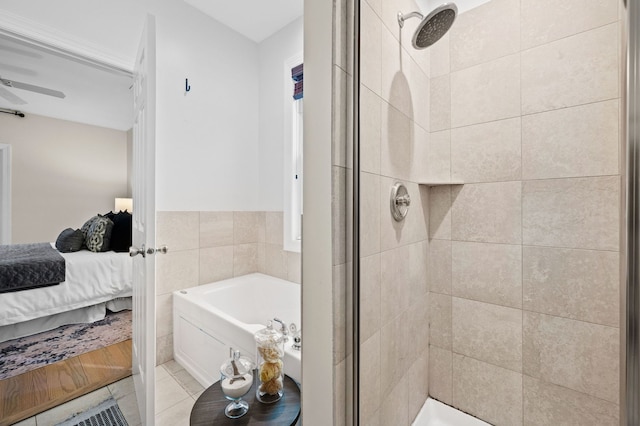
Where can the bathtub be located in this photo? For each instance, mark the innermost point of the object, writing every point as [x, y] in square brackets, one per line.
[211, 318]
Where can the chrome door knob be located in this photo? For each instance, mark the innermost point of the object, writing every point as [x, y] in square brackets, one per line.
[161, 249]
[134, 251]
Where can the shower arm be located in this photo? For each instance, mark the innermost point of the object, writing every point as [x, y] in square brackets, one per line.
[402, 17]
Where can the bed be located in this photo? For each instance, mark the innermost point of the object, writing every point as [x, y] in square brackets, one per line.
[94, 282]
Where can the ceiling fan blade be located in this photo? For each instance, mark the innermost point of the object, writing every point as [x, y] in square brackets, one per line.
[37, 89]
[4, 93]
[33, 88]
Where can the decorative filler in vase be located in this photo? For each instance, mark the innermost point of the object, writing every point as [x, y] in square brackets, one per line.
[236, 380]
[270, 345]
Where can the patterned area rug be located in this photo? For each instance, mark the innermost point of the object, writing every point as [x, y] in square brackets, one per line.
[28, 353]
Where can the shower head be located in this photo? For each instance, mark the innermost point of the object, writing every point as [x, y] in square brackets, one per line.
[433, 26]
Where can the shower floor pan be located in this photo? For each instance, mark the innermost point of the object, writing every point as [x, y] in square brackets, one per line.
[435, 413]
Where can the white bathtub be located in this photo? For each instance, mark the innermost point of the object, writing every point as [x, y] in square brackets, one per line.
[211, 318]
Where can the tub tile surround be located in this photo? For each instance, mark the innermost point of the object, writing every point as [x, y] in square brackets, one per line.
[524, 257]
[209, 246]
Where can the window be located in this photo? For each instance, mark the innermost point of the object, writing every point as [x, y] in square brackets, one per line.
[293, 173]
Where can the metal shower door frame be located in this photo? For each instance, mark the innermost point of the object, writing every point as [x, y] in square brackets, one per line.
[630, 235]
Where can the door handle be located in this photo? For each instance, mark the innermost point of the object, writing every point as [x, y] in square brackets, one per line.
[134, 251]
[161, 249]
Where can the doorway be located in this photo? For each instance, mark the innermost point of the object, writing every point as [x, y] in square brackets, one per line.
[111, 362]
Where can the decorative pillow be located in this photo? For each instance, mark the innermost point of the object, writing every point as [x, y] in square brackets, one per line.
[87, 225]
[121, 233]
[70, 240]
[99, 234]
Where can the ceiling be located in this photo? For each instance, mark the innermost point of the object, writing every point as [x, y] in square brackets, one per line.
[100, 96]
[94, 95]
[255, 19]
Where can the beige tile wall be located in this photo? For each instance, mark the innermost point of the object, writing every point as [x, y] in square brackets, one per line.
[395, 146]
[205, 247]
[524, 257]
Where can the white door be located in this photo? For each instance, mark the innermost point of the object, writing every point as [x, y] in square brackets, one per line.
[143, 179]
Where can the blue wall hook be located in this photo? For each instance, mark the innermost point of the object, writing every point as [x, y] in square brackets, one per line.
[186, 85]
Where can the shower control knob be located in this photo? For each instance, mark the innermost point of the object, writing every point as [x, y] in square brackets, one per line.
[400, 201]
[403, 200]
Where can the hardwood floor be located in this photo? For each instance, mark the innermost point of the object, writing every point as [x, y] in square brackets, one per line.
[38, 390]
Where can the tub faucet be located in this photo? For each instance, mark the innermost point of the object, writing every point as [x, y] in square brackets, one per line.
[283, 329]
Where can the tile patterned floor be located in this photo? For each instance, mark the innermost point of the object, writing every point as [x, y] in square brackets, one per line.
[176, 392]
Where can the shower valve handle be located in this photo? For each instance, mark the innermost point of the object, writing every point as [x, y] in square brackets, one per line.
[403, 200]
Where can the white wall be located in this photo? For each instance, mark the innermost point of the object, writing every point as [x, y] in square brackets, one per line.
[274, 52]
[62, 174]
[207, 140]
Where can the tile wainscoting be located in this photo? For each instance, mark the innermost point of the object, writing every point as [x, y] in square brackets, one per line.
[205, 247]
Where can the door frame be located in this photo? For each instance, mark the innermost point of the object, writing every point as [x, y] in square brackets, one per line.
[27, 30]
[5, 194]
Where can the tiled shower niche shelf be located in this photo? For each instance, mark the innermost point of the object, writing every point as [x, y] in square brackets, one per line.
[435, 182]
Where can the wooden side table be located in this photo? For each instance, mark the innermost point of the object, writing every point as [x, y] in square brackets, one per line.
[209, 408]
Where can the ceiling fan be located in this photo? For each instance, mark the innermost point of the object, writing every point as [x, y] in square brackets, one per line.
[14, 99]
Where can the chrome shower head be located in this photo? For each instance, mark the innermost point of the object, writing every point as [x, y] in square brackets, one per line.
[433, 26]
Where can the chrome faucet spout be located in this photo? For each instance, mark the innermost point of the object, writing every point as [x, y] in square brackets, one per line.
[283, 328]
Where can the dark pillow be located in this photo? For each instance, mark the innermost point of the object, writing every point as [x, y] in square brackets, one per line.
[70, 240]
[87, 225]
[121, 233]
[99, 234]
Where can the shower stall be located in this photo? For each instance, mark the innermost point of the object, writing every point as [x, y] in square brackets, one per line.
[503, 291]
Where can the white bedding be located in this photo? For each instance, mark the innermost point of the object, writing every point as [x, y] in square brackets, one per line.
[91, 278]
